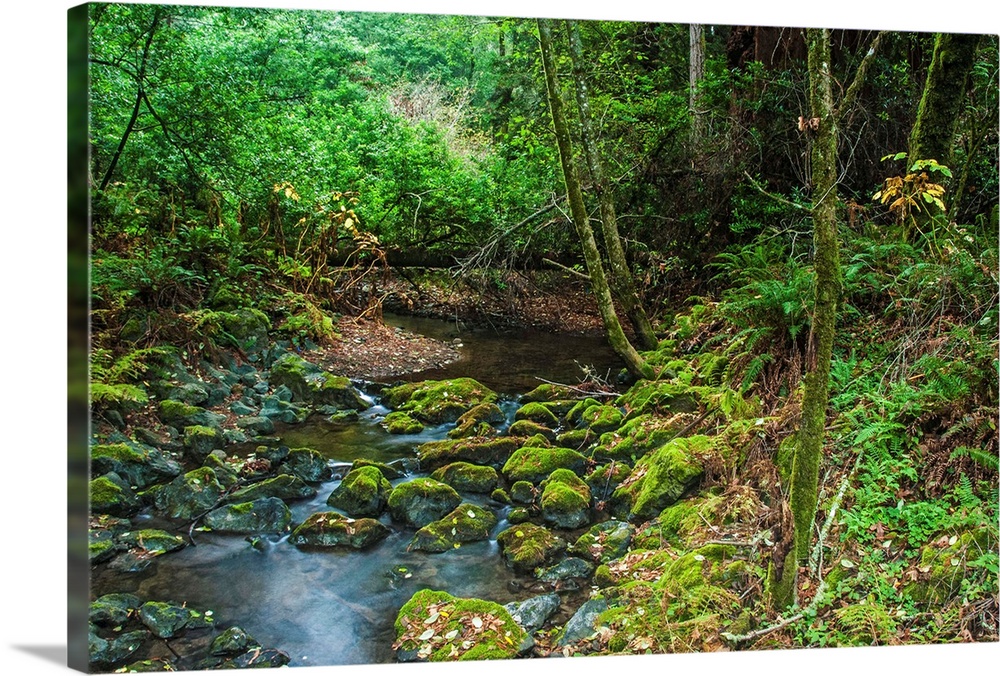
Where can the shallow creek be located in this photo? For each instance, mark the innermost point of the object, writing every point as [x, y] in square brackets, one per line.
[338, 607]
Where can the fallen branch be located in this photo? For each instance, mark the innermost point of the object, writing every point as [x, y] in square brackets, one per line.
[764, 631]
[815, 555]
[590, 393]
[564, 268]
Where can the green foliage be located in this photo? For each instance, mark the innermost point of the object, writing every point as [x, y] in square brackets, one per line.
[114, 380]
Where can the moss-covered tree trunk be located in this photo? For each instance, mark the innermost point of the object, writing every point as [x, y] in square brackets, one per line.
[578, 212]
[620, 278]
[804, 489]
[943, 99]
[696, 73]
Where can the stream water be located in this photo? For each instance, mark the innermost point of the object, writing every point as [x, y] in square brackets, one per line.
[338, 607]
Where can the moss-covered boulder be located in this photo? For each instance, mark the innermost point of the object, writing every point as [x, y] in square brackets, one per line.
[264, 515]
[363, 492]
[523, 492]
[565, 500]
[466, 523]
[420, 501]
[652, 396]
[139, 465]
[104, 654]
[152, 541]
[604, 480]
[312, 385]
[390, 472]
[943, 565]
[467, 478]
[435, 626]
[188, 495]
[113, 610]
[601, 418]
[604, 542]
[400, 422]
[232, 641]
[578, 440]
[548, 392]
[439, 401]
[226, 472]
[330, 529]
[181, 415]
[284, 486]
[110, 494]
[527, 546]
[637, 437]
[662, 478]
[165, 620]
[529, 428]
[477, 450]
[307, 464]
[199, 441]
[535, 464]
[477, 421]
[537, 412]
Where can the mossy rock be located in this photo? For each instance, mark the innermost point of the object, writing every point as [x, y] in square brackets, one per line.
[166, 621]
[547, 392]
[139, 465]
[390, 472]
[523, 492]
[501, 496]
[601, 418]
[226, 473]
[312, 385]
[565, 500]
[576, 439]
[575, 414]
[535, 464]
[467, 478]
[565, 570]
[519, 515]
[421, 501]
[439, 401]
[199, 441]
[232, 641]
[537, 412]
[435, 626]
[662, 478]
[264, 515]
[181, 415]
[604, 542]
[363, 492]
[527, 546]
[476, 450]
[256, 424]
[636, 438]
[477, 420]
[943, 565]
[188, 495]
[110, 494]
[536, 440]
[284, 486]
[530, 428]
[113, 610]
[105, 654]
[152, 541]
[604, 480]
[583, 624]
[399, 422]
[690, 521]
[285, 412]
[330, 529]
[466, 523]
[650, 396]
[307, 464]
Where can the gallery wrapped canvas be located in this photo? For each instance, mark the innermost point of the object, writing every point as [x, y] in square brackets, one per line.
[405, 337]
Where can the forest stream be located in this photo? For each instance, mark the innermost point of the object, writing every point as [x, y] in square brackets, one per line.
[337, 606]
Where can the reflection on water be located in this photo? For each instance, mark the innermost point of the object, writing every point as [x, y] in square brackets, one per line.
[327, 607]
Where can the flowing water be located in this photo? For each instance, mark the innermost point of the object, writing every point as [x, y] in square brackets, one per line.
[337, 607]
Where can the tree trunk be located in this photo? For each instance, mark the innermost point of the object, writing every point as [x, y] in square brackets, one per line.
[578, 211]
[620, 278]
[943, 98]
[804, 490]
[696, 73]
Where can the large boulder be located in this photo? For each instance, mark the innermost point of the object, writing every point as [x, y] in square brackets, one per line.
[532, 613]
[311, 384]
[307, 464]
[466, 523]
[535, 463]
[110, 494]
[330, 529]
[477, 450]
[467, 478]
[477, 421]
[363, 492]
[187, 496]
[139, 465]
[565, 500]
[439, 401]
[583, 624]
[264, 515]
[435, 626]
[420, 501]
[662, 478]
[526, 546]
[166, 621]
[284, 486]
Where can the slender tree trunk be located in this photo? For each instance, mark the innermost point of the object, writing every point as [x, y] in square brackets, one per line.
[578, 211]
[622, 283]
[941, 105]
[139, 96]
[804, 490]
[696, 72]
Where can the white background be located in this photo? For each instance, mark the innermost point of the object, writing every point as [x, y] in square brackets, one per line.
[33, 353]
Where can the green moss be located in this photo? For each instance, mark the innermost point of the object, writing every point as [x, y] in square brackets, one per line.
[565, 500]
[464, 476]
[501, 496]
[605, 479]
[538, 413]
[575, 414]
[330, 529]
[439, 401]
[603, 577]
[422, 500]
[601, 419]
[399, 422]
[120, 452]
[659, 397]
[449, 625]
[466, 523]
[529, 428]
[519, 515]
[637, 437]
[943, 565]
[476, 450]
[104, 492]
[477, 421]
[172, 411]
[535, 464]
[663, 477]
[363, 492]
[547, 392]
[527, 546]
[576, 439]
[523, 492]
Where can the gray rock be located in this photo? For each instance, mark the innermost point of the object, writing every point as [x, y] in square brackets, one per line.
[604, 542]
[188, 495]
[307, 464]
[166, 621]
[262, 387]
[284, 486]
[189, 393]
[532, 613]
[583, 624]
[567, 568]
[105, 654]
[264, 515]
[256, 425]
[112, 610]
[421, 501]
[239, 408]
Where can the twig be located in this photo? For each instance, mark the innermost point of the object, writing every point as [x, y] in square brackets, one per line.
[814, 557]
[597, 393]
[566, 269]
[764, 631]
[776, 198]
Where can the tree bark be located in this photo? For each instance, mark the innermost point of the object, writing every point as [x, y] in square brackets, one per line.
[616, 337]
[941, 105]
[804, 490]
[696, 72]
[622, 283]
